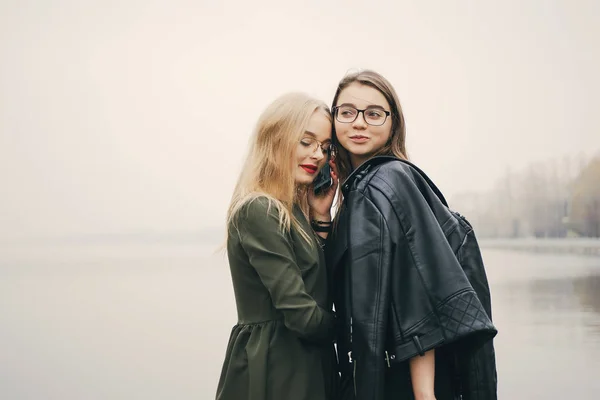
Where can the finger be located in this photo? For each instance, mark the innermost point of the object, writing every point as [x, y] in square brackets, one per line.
[333, 166]
[335, 183]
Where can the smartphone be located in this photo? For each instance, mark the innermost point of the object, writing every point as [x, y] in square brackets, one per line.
[323, 180]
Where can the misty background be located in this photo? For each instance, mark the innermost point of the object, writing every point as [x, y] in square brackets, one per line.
[134, 116]
[124, 124]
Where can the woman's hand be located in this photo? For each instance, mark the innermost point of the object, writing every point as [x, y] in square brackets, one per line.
[320, 206]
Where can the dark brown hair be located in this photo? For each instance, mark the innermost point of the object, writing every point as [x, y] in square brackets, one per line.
[396, 144]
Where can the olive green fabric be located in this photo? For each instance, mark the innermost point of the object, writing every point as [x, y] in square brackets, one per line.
[281, 347]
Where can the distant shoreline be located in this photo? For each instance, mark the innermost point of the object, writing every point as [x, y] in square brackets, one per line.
[583, 246]
[203, 239]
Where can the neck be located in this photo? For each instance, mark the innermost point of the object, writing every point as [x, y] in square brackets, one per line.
[356, 160]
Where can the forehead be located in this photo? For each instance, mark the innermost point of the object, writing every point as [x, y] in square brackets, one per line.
[319, 125]
[362, 96]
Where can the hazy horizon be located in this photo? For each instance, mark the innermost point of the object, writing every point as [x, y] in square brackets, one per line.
[131, 116]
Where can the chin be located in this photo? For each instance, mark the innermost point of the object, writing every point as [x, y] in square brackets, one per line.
[304, 181]
[357, 148]
[359, 152]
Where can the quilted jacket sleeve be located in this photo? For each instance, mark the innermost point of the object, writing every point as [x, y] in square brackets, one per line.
[433, 299]
[418, 293]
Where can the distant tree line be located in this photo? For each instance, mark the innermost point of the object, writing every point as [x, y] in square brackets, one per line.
[556, 198]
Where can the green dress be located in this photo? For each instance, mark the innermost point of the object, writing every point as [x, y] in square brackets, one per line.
[281, 348]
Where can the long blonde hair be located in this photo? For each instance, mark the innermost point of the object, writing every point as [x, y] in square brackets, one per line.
[269, 167]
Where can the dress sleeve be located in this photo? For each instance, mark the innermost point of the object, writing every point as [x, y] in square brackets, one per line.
[271, 254]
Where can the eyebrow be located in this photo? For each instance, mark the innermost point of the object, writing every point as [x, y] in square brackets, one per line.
[369, 107]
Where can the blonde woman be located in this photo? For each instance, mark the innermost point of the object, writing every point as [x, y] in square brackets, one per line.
[281, 346]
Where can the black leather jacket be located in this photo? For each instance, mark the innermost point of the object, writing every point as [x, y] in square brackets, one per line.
[398, 286]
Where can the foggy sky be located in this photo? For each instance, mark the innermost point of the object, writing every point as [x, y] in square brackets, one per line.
[121, 116]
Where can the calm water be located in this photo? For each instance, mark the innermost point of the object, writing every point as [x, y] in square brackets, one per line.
[151, 322]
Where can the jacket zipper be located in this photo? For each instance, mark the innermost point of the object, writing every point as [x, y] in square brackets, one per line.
[457, 378]
[354, 378]
[353, 361]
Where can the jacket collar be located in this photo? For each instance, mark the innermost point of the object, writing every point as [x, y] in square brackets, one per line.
[352, 181]
[362, 170]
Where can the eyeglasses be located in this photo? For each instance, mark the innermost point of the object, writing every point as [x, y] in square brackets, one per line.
[327, 149]
[373, 115]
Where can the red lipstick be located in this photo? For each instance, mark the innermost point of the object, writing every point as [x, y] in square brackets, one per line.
[311, 169]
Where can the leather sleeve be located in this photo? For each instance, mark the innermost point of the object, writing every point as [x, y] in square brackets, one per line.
[436, 293]
[409, 291]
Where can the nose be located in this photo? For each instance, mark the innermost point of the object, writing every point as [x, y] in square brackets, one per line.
[318, 154]
[360, 122]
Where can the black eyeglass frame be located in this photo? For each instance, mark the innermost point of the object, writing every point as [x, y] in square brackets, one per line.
[336, 109]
